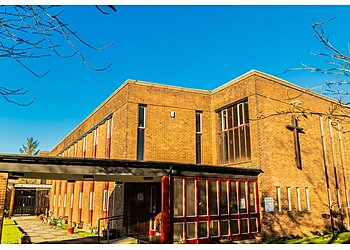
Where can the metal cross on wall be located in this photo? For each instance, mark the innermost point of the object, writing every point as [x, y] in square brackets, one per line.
[296, 130]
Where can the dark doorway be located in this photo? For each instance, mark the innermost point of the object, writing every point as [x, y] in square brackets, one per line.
[142, 200]
[31, 201]
[24, 202]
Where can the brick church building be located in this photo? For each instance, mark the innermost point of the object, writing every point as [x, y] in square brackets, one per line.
[288, 148]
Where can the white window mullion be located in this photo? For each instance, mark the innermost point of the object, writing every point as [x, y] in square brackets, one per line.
[298, 199]
[54, 200]
[91, 202]
[71, 200]
[329, 197]
[81, 200]
[289, 199]
[279, 199]
[307, 199]
[64, 200]
[59, 200]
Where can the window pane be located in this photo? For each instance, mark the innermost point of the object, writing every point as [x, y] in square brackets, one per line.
[253, 227]
[202, 229]
[219, 122]
[140, 143]
[233, 198]
[198, 122]
[235, 116]
[244, 226]
[246, 112]
[251, 187]
[236, 139]
[198, 148]
[230, 136]
[229, 118]
[202, 198]
[234, 227]
[190, 197]
[240, 112]
[141, 117]
[224, 227]
[178, 231]
[224, 120]
[243, 200]
[223, 197]
[213, 198]
[214, 229]
[178, 197]
[191, 230]
[225, 149]
[242, 142]
[247, 131]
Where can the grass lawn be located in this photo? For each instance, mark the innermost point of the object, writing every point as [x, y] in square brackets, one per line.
[10, 232]
[341, 238]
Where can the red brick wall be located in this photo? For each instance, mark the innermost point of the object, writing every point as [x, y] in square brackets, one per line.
[3, 186]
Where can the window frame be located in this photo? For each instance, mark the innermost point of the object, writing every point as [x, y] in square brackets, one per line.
[229, 153]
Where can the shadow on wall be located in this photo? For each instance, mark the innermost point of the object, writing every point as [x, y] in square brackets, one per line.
[291, 224]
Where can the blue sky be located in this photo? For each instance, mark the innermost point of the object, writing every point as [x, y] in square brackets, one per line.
[190, 46]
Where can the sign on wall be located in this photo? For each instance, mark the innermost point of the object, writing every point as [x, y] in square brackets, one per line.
[269, 205]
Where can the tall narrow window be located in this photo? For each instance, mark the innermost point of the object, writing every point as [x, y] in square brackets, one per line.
[198, 137]
[234, 133]
[338, 197]
[84, 146]
[252, 197]
[233, 198]
[190, 197]
[289, 199]
[68, 154]
[178, 197]
[91, 202]
[80, 200]
[71, 200]
[109, 137]
[278, 189]
[64, 200]
[243, 208]
[223, 197]
[213, 199]
[75, 149]
[307, 199]
[54, 200]
[105, 200]
[298, 199]
[202, 197]
[329, 197]
[59, 200]
[95, 142]
[141, 132]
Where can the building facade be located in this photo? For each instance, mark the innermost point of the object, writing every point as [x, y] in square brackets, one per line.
[295, 137]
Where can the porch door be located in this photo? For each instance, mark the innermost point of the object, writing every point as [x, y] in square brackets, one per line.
[24, 202]
[138, 200]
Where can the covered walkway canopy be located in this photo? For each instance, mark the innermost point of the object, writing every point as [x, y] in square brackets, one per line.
[65, 168]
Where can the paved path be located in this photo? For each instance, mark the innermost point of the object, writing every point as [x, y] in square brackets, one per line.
[40, 233]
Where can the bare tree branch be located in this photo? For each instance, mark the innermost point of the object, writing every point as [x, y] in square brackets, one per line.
[34, 32]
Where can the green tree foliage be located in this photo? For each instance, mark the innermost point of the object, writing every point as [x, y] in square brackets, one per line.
[30, 147]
